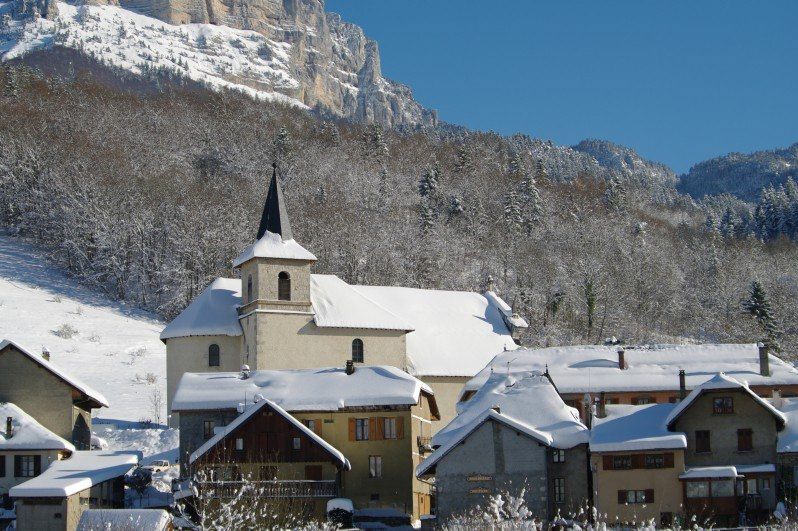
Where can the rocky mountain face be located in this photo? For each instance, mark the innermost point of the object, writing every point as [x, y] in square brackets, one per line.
[741, 175]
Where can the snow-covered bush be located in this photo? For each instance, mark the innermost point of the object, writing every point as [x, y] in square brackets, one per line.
[65, 331]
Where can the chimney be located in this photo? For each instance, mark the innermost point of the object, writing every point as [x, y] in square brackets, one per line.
[350, 367]
[682, 385]
[245, 372]
[776, 400]
[764, 359]
[8, 427]
[497, 409]
[489, 284]
[46, 353]
[621, 359]
[601, 406]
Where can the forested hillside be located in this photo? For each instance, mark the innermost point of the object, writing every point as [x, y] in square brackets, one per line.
[149, 195]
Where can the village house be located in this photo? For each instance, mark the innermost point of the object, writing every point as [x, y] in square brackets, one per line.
[58, 401]
[55, 499]
[787, 459]
[636, 462]
[514, 436]
[280, 316]
[378, 418]
[643, 374]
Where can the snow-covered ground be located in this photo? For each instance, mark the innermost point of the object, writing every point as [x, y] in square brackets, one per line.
[108, 345]
[216, 56]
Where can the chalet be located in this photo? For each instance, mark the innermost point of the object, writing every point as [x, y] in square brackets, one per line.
[55, 499]
[279, 315]
[515, 435]
[58, 401]
[378, 417]
[643, 374]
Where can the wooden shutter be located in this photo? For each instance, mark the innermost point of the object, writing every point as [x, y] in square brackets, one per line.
[649, 495]
[17, 466]
[375, 428]
[607, 462]
[2, 466]
[621, 497]
[669, 460]
[638, 461]
[400, 428]
[351, 429]
[317, 427]
[37, 465]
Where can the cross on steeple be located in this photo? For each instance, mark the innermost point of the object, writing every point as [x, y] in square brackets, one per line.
[275, 215]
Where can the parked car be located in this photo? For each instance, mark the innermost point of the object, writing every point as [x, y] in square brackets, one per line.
[158, 465]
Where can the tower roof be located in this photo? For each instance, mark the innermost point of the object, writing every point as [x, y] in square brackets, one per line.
[275, 216]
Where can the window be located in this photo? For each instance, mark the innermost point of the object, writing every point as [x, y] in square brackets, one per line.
[361, 429]
[751, 486]
[697, 489]
[558, 456]
[284, 286]
[723, 489]
[635, 496]
[249, 288]
[765, 483]
[723, 405]
[27, 466]
[213, 355]
[357, 350]
[655, 461]
[702, 444]
[745, 440]
[640, 400]
[296, 443]
[311, 424]
[207, 429]
[239, 444]
[375, 466]
[621, 462]
[559, 490]
[389, 428]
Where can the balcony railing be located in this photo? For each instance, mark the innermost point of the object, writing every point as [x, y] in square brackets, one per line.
[270, 489]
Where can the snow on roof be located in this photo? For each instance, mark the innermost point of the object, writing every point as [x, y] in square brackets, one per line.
[319, 389]
[528, 403]
[588, 368]
[336, 304]
[27, 433]
[272, 245]
[247, 414]
[628, 428]
[214, 312]
[81, 471]
[755, 469]
[455, 332]
[709, 472]
[722, 381]
[140, 519]
[788, 437]
[96, 396]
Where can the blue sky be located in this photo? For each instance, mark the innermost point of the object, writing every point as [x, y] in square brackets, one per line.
[680, 81]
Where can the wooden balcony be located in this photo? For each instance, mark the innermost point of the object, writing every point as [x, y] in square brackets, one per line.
[270, 489]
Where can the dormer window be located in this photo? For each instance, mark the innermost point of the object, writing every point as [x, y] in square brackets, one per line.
[213, 355]
[249, 288]
[284, 286]
[357, 351]
[723, 405]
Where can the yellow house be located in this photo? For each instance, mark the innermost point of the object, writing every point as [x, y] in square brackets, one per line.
[280, 316]
[378, 417]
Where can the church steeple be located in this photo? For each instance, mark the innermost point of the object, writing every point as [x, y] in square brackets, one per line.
[275, 216]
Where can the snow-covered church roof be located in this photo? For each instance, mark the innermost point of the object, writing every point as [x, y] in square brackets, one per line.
[528, 403]
[95, 396]
[593, 368]
[213, 313]
[319, 389]
[271, 245]
[27, 433]
[628, 428]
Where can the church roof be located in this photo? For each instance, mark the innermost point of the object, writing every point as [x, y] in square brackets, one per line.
[213, 313]
[275, 216]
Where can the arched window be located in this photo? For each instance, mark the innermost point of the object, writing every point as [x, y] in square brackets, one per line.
[249, 288]
[284, 286]
[213, 355]
[357, 350]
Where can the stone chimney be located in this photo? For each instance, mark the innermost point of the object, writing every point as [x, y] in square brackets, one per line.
[245, 372]
[490, 285]
[350, 367]
[621, 358]
[776, 400]
[497, 409]
[46, 353]
[601, 405]
[764, 359]
[9, 430]
[682, 385]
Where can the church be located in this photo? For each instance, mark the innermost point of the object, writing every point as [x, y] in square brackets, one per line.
[279, 315]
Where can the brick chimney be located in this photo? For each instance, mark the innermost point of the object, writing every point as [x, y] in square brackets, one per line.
[9, 430]
[350, 367]
[764, 359]
[46, 353]
[682, 385]
[621, 358]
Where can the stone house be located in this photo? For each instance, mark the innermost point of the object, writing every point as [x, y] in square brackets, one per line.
[642, 374]
[58, 401]
[279, 315]
[55, 499]
[515, 436]
[377, 416]
[636, 462]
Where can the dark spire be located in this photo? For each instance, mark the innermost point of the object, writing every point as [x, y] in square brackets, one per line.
[275, 215]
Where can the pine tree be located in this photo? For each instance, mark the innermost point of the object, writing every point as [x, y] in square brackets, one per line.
[516, 166]
[758, 306]
[615, 196]
[455, 207]
[282, 150]
[531, 204]
[465, 160]
[512, 212]
[428, 184]
[729, 224]
[541, 175]
[375, 145]
[427, 218]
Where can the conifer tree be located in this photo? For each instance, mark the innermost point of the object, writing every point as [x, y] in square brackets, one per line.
[615, 196]
[531, 204]
[465, 160]
[758, 306]
[541, 175]
[512, 212]
[428, 184]
[375, 144]
[282, 149]
[427, 218]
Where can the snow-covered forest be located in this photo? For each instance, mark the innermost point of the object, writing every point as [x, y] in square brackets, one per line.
[149, 196]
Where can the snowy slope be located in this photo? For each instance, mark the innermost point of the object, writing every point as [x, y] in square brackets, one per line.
[216, 56]
[113, 348]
